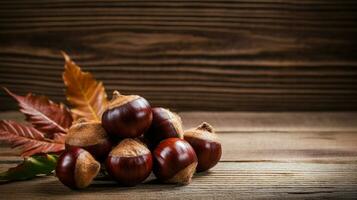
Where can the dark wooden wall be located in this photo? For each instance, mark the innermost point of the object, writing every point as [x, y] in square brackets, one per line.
[188, 55]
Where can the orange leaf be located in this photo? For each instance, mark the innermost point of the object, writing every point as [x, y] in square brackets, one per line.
[30, 140]
[44, 114]
[84, 93]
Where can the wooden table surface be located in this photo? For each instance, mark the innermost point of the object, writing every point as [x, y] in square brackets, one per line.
[265, 155]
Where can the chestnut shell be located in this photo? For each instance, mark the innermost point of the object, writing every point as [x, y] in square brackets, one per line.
[208, 152]
[129, 120]
[66, 165]
[99, 151]
[171, 156]
[90, 136]
[162, 127]
[129, 171]
[76, 168]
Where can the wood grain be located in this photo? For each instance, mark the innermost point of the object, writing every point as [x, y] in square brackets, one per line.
[286, 146]
[228, 180]
[188, 55]
[265, 156]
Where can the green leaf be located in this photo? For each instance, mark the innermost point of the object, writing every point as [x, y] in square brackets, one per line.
[31, 167]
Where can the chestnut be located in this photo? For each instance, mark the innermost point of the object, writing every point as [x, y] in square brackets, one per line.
[175, 161]
[130, 162]
[91, 136]
[76, 168]
[165, 124]
[127, 116]
[205, 142]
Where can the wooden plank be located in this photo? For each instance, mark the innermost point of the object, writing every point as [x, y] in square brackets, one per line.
[228, 180]
[188, 55]
[284, 137]
[317, 147]
[321, 147]
[247, 122]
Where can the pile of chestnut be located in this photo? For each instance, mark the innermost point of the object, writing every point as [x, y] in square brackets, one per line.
[133, 140]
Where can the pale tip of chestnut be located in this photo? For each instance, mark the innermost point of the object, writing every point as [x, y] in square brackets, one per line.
[204, 131]
[86, 170]
[84, 132]
[206, 145]
[91, 136]
[76, 168]
[130, 148]
[184, 177]
[206, 127]
[116, 94]
[177, 123]
[130, 162]
[119, 99]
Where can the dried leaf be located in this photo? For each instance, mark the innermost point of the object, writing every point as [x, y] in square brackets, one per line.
[84, 93]
[30, 140]
[59, 138]
[31, 167]
[44, 114]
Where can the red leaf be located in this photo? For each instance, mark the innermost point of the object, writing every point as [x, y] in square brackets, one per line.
[30, 140]
[44, 114]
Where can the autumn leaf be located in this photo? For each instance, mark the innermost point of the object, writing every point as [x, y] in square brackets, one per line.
[44, 114]
[86, 95]
[30, 140]
[33, 166]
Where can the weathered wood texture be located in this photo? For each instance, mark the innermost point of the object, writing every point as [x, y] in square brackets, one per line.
[188, 55]
[228, 180]
[265, 156]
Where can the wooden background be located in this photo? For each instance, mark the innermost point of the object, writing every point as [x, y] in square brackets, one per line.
[188, 55]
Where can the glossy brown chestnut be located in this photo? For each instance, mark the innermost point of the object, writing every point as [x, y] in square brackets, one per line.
[130, 162]
[127, 116]
[175, 161]
[165, 124]
[207, 147]
[76, 168]
[91, 136]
